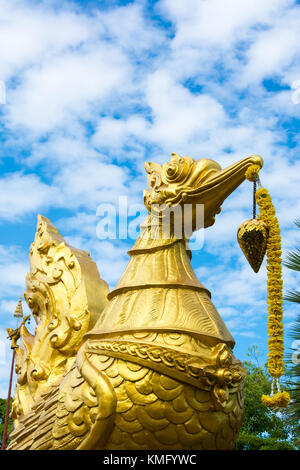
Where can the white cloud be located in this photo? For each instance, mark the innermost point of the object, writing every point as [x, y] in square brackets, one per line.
[14, 275]
[113, 134]
[13, 269]
[131, 30]
[63, 148]
[179, 116]
[67, 87]
[248, 334]
[82, 222]
[92, 184]
[22, 194]
[274, 49]
[92, 93]
[219, 22]
[35, 33]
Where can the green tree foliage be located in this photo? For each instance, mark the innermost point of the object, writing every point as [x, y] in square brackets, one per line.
[3, 403]
[262, 428]
[293, 374]
[293, 358]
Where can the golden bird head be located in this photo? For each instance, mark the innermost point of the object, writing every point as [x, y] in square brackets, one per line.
[189, 183]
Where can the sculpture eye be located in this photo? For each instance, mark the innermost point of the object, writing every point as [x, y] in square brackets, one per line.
[175, 171]
[172, 170]
[154, 180]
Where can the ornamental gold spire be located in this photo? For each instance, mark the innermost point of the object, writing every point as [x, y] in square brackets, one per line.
[19, 310]
[14, 335]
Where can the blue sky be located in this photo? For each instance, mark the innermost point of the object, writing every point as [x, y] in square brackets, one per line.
[95, 88]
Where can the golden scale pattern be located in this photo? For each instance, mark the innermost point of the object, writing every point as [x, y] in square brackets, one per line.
[152, 410]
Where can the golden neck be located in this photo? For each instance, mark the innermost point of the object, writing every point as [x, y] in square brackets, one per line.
[157, 260]
[159, 292]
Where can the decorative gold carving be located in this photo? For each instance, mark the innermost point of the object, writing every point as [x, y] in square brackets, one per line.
[205, 372]
[66, 296]
[156, 370]
[76, 414]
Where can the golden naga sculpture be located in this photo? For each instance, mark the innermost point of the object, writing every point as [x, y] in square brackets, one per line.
[148, 365]
[66, 296]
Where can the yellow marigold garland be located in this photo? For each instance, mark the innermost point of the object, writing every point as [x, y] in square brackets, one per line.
[275, 363]
[252, 172]
[279, 400]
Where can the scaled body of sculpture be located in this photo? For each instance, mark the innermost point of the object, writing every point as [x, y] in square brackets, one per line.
[148, 366]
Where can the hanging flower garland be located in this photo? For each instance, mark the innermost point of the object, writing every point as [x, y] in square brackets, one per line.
[275, 364]
[252, 172]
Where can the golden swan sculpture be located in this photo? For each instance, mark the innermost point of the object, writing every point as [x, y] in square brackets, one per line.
[148, 365]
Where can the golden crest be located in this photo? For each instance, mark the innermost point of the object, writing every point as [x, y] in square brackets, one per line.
[252, 236]
[66, 296]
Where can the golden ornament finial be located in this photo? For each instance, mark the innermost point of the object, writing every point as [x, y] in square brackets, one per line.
[19, 310]
[252, 237]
